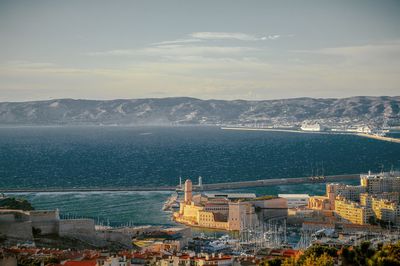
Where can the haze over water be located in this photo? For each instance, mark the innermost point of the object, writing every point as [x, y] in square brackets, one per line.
[154, 156]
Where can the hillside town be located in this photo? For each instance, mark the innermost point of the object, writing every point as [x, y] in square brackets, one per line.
[247, 229]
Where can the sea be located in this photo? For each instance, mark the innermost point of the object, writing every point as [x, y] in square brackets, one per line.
[107, 156]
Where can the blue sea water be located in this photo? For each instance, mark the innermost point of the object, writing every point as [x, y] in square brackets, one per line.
[152, 156]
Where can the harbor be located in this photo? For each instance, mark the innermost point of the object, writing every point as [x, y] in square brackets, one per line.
[201, 187]
[293, 130]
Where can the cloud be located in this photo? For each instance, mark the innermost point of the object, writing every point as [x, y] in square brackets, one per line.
[196, 50]
[179, 50]
[225, 36]
[236, 36]
[178, 41]
[117, 52]
[200, 77]
[383, 53]
[29, 64]
[274, 37]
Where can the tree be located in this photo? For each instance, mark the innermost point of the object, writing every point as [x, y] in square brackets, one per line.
[388, 254]
[274, 262]
[322, 260]
[363, 252]
[316, 252]
[348, 256]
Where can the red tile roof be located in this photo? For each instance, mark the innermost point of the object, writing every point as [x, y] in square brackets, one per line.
[81, 263]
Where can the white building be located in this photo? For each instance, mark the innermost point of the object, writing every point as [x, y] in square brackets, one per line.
[312, 127]
[295, 200]
[364, 129]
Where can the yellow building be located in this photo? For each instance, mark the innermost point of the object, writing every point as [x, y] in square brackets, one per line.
[384, 206]
[385, 210]
[350, 212]
[195, 211]
[379, 183]
[219, 212]
[319, 203]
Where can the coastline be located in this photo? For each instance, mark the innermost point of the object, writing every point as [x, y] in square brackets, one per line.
[382, 138]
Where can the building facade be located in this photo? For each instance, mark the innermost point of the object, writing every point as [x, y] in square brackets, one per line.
[350, 212]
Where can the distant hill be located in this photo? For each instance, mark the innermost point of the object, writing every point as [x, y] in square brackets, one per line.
[183, 110]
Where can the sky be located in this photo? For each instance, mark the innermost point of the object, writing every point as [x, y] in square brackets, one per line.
[233, 49]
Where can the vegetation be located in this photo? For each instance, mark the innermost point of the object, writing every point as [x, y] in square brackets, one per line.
[266, 197]
[16, 204]
[364, 254]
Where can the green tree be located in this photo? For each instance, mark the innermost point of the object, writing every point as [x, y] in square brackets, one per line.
[322, 260]
[274, 262]
[388, 254]
[363, 253]
[289, 262]
[317, 251]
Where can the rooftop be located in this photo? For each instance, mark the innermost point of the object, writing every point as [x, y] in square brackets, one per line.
[293, 195]
[231, 195]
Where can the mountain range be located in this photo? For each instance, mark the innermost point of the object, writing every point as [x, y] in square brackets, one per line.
[184, 110]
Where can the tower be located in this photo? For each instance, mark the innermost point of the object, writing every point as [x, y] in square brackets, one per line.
[200, 181]
[188, 191]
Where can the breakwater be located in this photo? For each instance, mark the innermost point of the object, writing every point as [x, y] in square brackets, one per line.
[276, 181]
[365, 135]
[204, 187]
[383, 138]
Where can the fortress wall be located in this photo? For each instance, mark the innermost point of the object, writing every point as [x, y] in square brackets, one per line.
[45, 221]
[18, 230]
[7, 217]
[77, 227]
[48, 215]
[13, 216]
[46, 227]
[114, 236]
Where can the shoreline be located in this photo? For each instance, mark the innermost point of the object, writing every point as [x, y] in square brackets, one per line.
[365, 135]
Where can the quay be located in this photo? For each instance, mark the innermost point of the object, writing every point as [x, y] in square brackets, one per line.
[395, 140]
[365, 135]
[203, 187]
[276, 181]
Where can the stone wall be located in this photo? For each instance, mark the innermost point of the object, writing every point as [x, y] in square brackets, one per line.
[45, 221]
[76, 227]
[17, 230]
[113, 236]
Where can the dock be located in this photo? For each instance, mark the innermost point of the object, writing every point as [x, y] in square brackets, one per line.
[365, 135]
[204, 187]
[383, 138]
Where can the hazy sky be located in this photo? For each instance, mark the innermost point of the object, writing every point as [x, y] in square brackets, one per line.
[206, 49]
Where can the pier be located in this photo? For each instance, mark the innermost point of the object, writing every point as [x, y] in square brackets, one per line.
[365, 135]
[383, 138]
[203, 187]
